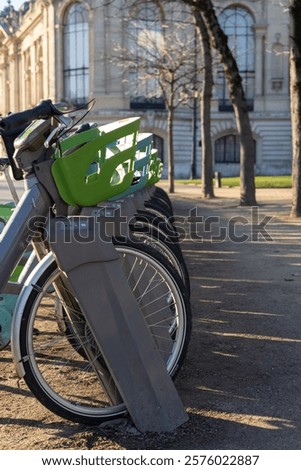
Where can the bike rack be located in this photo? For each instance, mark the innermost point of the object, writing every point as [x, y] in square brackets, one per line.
[120, 330]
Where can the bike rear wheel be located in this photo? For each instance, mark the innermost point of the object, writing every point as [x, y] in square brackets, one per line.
[63, 365]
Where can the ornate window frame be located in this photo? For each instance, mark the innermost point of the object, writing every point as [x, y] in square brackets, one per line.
[76, 56]
[238, 24]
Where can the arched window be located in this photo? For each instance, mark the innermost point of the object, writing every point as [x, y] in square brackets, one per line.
[227, 149]
[237, 23]
[145, 36]
[161, 35]
[76, 54]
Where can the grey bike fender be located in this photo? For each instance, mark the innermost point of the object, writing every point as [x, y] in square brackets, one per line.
[17, 317]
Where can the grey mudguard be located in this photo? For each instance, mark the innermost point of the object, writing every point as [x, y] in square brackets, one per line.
[95, 276]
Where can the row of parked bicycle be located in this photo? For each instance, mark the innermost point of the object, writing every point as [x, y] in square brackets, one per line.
[75, 173]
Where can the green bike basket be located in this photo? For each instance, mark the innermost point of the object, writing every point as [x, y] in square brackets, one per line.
[96, 165]
[143, 152]
[155, 168]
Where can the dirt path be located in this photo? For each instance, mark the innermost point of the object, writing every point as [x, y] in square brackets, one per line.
[241, 383]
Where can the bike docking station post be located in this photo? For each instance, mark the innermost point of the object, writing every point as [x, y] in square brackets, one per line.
[95, 277]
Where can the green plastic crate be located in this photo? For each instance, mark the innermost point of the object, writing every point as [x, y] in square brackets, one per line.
[96, 165]
[141, 165]
[155, 168]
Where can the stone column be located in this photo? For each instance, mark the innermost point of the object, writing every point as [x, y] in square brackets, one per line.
[13, 77]
[260, 66]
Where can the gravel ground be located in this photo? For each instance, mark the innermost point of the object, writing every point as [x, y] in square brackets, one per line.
[241, 381]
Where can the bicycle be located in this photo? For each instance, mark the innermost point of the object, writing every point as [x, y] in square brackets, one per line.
[51, 338]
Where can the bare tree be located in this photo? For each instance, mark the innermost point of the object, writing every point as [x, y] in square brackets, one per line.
[295, 75]
[160, 58]
[237, 97]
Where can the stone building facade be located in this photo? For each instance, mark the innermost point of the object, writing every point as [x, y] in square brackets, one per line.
[62, 49]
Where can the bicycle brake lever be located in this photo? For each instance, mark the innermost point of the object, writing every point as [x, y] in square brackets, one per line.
[53, 134]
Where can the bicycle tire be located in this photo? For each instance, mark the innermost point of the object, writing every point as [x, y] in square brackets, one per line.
[63, 380]
[157, 207]
[147, 219]
[156, 212]
[162, 195]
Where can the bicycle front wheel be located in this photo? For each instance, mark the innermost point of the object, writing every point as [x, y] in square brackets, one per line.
[62, 363]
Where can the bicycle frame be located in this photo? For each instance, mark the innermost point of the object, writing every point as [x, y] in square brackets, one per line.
[17, 233]
[14, 240]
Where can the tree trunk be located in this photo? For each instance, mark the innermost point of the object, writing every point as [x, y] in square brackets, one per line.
[171, 172]
[295, 76]
[205, 109]
[237, 97]
[247, 157]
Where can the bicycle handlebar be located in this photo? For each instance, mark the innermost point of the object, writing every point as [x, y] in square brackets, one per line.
[13, 121]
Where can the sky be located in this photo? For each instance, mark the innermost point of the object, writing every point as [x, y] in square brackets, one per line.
[15, 3]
